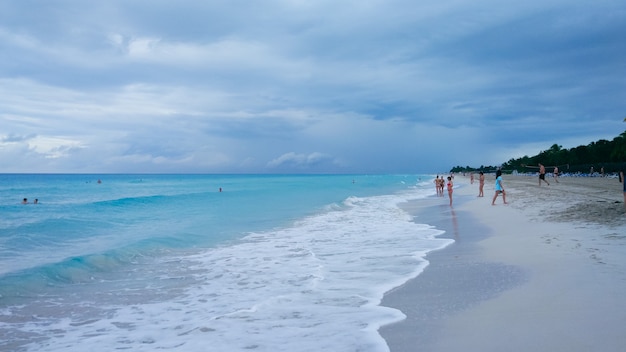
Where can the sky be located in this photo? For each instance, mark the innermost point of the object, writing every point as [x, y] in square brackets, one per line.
[304, 86]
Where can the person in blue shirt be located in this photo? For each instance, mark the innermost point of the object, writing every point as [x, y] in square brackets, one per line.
[499, 188]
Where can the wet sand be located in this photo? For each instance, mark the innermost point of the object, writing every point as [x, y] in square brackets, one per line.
[547, 272]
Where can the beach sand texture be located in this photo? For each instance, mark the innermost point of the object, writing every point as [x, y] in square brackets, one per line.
[547, 272]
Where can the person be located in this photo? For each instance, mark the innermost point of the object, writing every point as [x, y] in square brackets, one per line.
[556, 174]
[621, 179]
[439, 184]
[25, 201]
[542, 175]
[499, 188]
[481, 184]
[450, 187]
[471, 178]
[442, 183]
[36, 201]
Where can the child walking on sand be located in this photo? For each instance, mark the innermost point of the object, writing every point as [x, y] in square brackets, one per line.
[499, 188]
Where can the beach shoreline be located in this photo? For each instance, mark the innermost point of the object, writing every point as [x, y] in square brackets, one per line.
[545, 272]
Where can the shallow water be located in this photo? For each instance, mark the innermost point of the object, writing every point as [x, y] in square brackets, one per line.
[144, 262]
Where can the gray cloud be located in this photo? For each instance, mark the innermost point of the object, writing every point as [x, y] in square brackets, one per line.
[290, 86]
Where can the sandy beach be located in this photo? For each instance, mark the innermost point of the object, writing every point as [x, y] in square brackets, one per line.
[547, 272]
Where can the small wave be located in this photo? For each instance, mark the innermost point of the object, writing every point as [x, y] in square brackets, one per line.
[85, 268]
[130, 201]
[75, 270]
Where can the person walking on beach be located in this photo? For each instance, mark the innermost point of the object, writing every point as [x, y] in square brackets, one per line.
[499, 188]
[542, 175]
[481, 184]
[450, 187]
[556, 174]
[437, 184]
[621, 179]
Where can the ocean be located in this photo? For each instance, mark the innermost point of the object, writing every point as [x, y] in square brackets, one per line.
[206, 262]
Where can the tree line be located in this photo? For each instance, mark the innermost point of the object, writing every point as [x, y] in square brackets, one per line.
[602, 154]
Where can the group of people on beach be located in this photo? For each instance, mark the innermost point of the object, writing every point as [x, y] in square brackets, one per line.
[440, 183]
[499, 187]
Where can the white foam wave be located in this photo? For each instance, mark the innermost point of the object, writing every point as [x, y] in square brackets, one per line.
[313, 286]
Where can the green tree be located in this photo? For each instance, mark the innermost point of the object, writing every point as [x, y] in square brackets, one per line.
[618, 153]
[602, 153]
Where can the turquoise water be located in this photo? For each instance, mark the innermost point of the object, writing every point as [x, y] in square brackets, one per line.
[262, 262]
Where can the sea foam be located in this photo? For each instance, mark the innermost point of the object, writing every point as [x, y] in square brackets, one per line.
[311, 284]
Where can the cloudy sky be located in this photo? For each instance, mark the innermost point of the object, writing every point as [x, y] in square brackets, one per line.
[305, 86]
